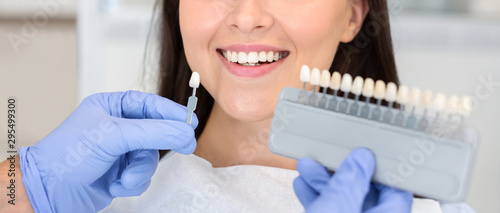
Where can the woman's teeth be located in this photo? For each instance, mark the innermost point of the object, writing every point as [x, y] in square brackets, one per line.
[253, 58]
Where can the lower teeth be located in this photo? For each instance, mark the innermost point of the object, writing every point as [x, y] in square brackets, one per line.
[250, 64]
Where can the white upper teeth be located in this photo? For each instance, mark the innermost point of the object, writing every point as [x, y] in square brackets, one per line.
[252, 58]
[262, 56]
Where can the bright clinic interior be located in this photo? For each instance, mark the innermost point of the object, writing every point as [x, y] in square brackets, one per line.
[84, 47]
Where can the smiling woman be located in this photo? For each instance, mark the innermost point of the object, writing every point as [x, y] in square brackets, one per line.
[246, 52]
[220, 38]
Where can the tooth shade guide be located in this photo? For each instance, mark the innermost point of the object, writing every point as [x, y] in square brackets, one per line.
[404, 104]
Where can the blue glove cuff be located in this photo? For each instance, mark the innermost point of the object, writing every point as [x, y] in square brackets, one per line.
[32, 182]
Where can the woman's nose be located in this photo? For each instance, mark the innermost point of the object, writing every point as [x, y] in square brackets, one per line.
[249, 16]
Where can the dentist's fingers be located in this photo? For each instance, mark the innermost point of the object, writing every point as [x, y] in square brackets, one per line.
[313, 173]
[391, 199]
[118, 190]
[350, 183]
[139, 105]
[187, 150]
[305, 193]
[141, 167]
[150, 106]
[136, 134]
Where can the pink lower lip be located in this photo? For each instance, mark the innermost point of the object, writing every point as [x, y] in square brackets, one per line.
[250, 71]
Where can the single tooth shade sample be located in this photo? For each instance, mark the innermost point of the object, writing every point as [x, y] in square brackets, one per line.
[315, 77]
[391, 92]
[415, 96]
[305, 73]
[368, 88]
[346, 84]
[194, 82]
[379, 89]
[465, 106]
[402, 95]
[439, 102]
[335, 82]
[452, 104]
[357, 85]
[426, 98]
[325, 79]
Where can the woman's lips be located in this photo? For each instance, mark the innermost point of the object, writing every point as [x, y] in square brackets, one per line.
[252, 71]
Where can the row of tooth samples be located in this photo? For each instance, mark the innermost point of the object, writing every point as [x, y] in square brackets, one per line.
[417, 110]
[253, 58]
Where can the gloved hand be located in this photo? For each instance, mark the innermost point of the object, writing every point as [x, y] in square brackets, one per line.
[108, 147]
[349, 189]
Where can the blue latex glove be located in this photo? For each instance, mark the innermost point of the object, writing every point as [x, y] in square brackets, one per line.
[349, 189]
[108, 147]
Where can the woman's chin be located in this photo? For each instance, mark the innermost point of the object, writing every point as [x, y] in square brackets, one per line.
[249, 111]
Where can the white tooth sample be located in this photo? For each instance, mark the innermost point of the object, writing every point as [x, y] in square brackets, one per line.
[368, 88]
[234, 57]
[276, 56]
[253, 57]
[242, 58]
[224, 54]
[194, 82]
[325, 79]
[439, 102]
[315, 80]
[228, 55]
[379, 90]
[335, 82]
[452, 105]
[402, 99]
[402, 95]
[415, 97]
[357, 85]
[315, 77]
[426, 98]
[346, 84]
[305, 74]
[391, 92]
[262, 56]
[270, 56]
[465, 106]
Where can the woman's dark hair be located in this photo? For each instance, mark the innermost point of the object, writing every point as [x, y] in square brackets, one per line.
[370, 54]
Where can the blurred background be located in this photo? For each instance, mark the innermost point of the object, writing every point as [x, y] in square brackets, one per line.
[54, 53]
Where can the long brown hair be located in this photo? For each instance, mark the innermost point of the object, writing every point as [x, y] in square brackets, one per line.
[370, 54]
